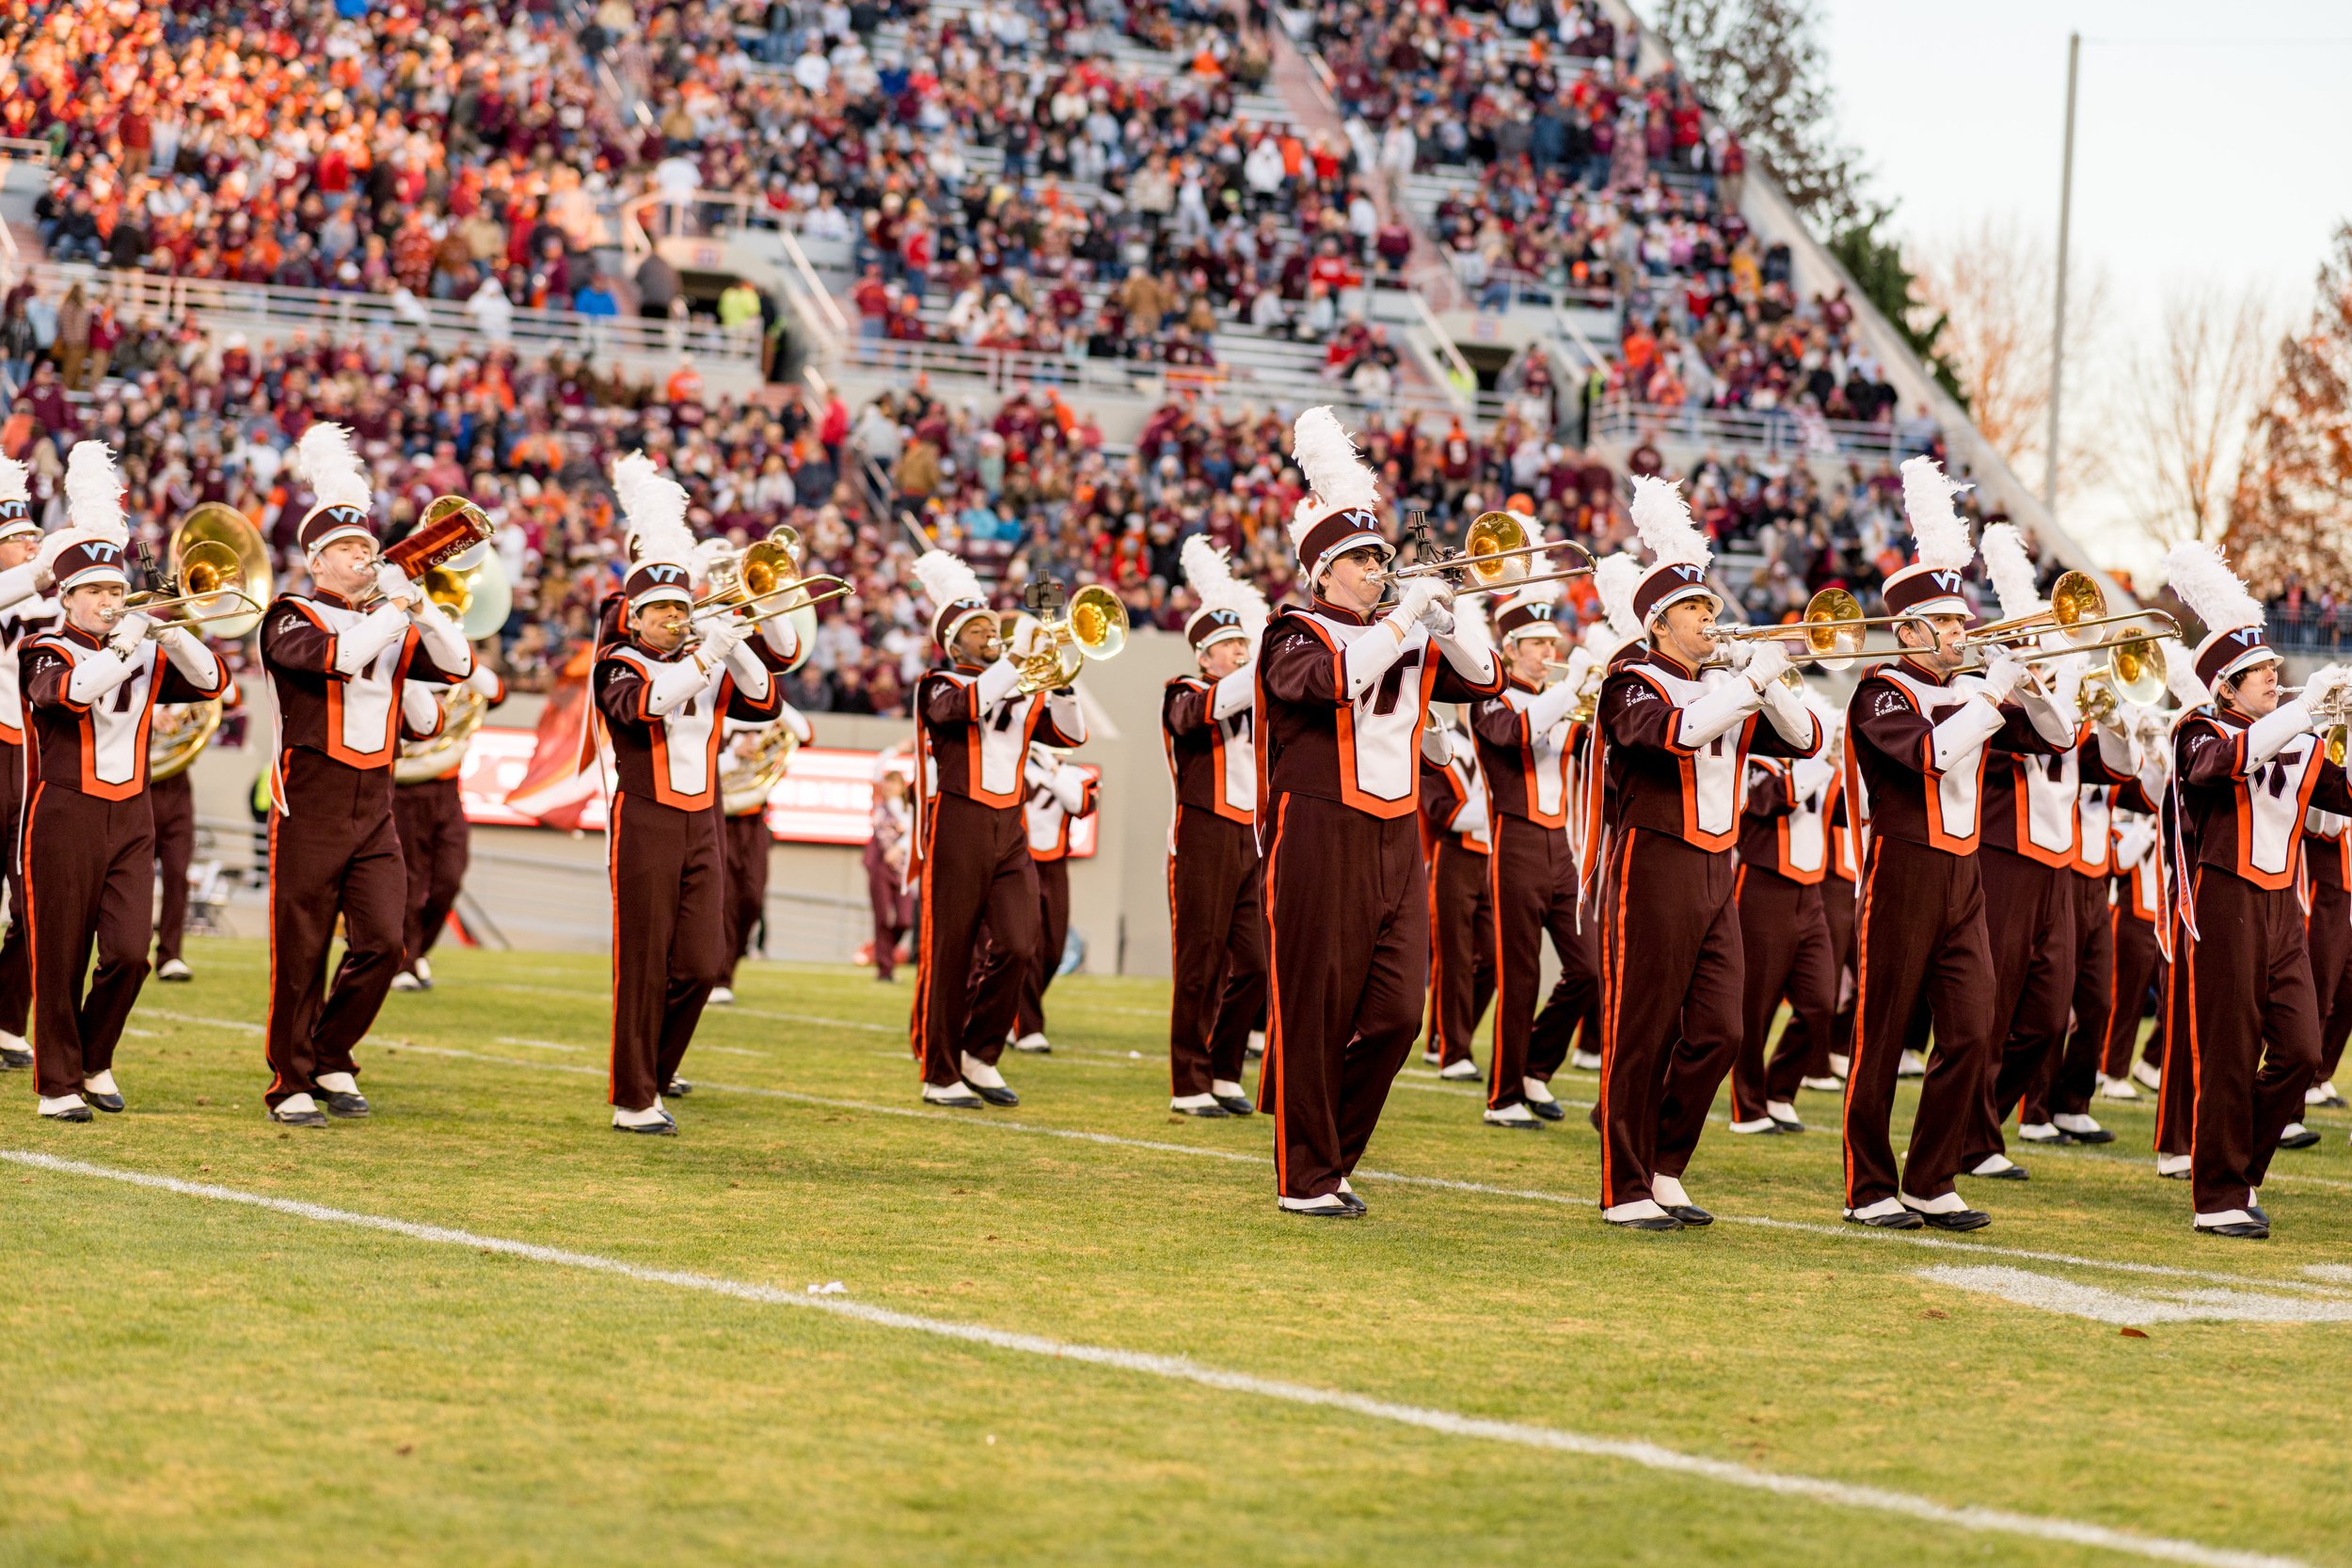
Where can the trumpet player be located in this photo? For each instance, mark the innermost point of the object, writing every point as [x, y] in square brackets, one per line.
[25, 610]
[1460, 832]
[1216, 882]
[1523, 748]
[1344, 691]
[746, 819]
[1675, 732]
[1786, 953]
[974, 726]
[2246, 771]
[429, 811]
[89, 690]
[664, 690]
[335, 664]
[1917, 733]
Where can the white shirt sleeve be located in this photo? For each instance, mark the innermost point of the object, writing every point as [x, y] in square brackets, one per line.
[444, 641]
[95, 673]
[997, 681]
[672, 684]
[1717, 711]
[191, 657]
[16, 585]
[750, 677]
[1233, 693]
[357, 648]
[1963, 733]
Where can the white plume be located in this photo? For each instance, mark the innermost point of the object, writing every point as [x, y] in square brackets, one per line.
[324, 460]
[1663, 518]
[1471, 626]
[1936, 523]
[12, 477]
[946, 579]
[2011, 571]
[1336, 477]
[93, 494]
[1615, 579]
[2214, 594]
[1211, 575]
[654, 507]
[2180, 675]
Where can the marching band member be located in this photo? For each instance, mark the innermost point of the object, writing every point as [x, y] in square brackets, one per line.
[2244, 1011]
[1216, 881]
[1344, 691]
[1058, 795]
[1460, 832]
[24, 610]
[1523, 748]
[662, 690]
[748, 839]
[171, 799]
[1786, 950]
[2032, 837]
[2144, 908]
[1613, 635]
[335, 673]
[973, 732]
[2328, 850]
[1918, 732]
[436, 841]
[885, 857]
[1676, 729]
[89, 691]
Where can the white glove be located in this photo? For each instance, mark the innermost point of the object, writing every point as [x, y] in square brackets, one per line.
[393, 583]
[1767, 664]
[130, 632]
[721, 636]
[2327, 687]
[1420, 594]
[1437, 744]
[1735, 651]
[2001, 677]
[1030, 638]
[1438, 618]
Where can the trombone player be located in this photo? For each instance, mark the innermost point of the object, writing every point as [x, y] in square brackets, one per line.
[756, 756]
[336, 662]
[25, 610]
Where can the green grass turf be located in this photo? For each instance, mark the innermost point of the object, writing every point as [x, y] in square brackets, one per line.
[187, 1382]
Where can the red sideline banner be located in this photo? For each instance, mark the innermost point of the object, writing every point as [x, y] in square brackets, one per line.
[825, 796]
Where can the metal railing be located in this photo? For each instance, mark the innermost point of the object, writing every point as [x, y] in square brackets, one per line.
[405, 317]
[1778, 432]
[2311, 630]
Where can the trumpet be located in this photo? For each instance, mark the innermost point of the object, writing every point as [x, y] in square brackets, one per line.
[1494, 558]
[1095, 628]
[2134, 672]
[216, 555]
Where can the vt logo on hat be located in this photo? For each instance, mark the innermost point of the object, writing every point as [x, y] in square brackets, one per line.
[1947, 580]
[666, 574]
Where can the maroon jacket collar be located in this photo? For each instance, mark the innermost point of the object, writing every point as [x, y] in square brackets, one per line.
[1921, 671]
[85, 638]
[1321, 606]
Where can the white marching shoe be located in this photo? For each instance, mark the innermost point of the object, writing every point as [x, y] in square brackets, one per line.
[1256, 1046]
[1584, 1061]
[2145, 1075]
[172, 970]
[406, 981]
[652, 1121]
[1911, 1065]
[2117, 1088]
[1783, 1116]
[986, 1081]
[1034, 1044]
[65, 1107]
[1823, 1085]
[2173, 1166]
[1539, 1099]
[723, 996]
[953, 1095]
[1463, 1068]
[16, 1052]
[1840, 1066]
[1513, 1116]
[2323, 1093]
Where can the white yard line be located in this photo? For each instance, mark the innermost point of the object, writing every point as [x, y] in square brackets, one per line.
[1843, 1231]
[1176, 1369]
[543, 1045]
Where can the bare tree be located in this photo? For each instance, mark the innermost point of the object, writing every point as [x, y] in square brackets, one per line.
[2193, 390]
[1757, 65]
[2291, 513]
[1994, 283]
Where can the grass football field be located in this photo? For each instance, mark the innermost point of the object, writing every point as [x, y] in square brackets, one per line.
[480, 1328]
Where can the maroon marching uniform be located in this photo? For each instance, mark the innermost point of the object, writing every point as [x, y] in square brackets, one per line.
[749, 841]
[1524, 746]
[25, 613]
[1054, 801]
[668, 863]
[335, 673]
[88, 838]
[1460, 830]
[2328, 854]
[435, 838]
[1215, 880]
[1672, 745]
[1917, 747]
[1787, 950]
[2139, 904]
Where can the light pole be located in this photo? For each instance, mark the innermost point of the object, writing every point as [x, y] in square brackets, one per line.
[2058, 329]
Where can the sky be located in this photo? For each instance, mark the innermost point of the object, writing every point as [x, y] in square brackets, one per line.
[2202, 152]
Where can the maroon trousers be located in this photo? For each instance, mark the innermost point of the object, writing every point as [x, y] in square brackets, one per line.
[1786, 954]
[172, 803]
[747, 844]
[1811, 1047]
[1461, 947]
[1053, 913]
[16, 951]
[894, 912]
[1531, 883]
[1919, 939]
[2029, 925]
[1216, 933]
[90, 870]
[2138, 963]
[976, 871]
[434, 842]
[2069, 1076]
[1671, 977]
[334, 851]
[669, 939]
[1348, 957]
[2244, 1008]
[2330, 938]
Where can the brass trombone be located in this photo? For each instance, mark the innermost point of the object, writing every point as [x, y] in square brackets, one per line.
[1494, 558]
[770, 569]
[2134, 672]
[216, 555]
